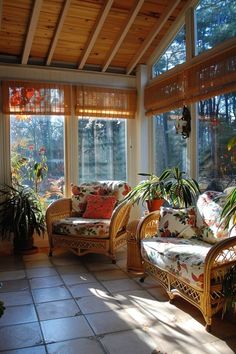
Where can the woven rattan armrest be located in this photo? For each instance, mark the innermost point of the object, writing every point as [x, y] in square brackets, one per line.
[148, 225]
[59, 209]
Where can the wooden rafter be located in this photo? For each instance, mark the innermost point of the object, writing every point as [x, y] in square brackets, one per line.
[31, 31]
[160, 23]
[174, 28]
[131, 16]
[58, 31]
[94, 34]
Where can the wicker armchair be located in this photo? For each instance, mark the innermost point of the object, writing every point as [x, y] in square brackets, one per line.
[83, 238]
[221, 257]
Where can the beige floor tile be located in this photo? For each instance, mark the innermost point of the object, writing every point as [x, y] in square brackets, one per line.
[129, 342]
[76, 346]
[65, 328]
[108, 322]
[99, 266]
[40, 272]
[12, 274]
[18, 314]
[110, 274]
[14, 285]
[51, 294]
[87, 289]
[57, 309]
[33, 350]
[72, 269]
[65, 258]
[40, 263]
[16, 298]
[20, 336]
[45, 282]
[116, 286]
[80, 278]
[93, 304]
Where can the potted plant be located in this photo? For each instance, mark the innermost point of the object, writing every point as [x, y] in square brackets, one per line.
[21, 215]
[181, 191]
[151, 191]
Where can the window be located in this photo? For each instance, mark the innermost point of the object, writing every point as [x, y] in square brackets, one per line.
[174, 55]
[37, 153]
[215, 22]
[217, 125]
[102, 149]
[170, 149]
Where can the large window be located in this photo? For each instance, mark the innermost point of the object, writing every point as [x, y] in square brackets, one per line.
[37, 153]
[102, 149]
[174, 55]
[170, 149]
[217, 126]
[215, 22]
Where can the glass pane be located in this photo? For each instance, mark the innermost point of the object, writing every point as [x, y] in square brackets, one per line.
[170, 149]
[174, 55]
[216, 22]
[102, 149]
[37, 153]
[217, 125]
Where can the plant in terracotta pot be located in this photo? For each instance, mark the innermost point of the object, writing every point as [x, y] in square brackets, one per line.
[21, 215]
[181, 190]
[152, 191]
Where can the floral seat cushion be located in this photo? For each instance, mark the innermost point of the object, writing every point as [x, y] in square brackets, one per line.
[181, 257]
[82, 227]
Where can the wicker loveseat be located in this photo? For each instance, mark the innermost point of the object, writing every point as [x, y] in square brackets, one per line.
[93, 220]
[191, 258]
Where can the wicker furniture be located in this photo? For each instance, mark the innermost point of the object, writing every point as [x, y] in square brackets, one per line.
[103, 236]
[208, 297]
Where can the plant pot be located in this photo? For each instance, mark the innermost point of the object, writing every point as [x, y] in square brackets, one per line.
[25, 246]
[154, 204]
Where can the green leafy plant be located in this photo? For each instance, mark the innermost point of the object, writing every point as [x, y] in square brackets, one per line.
[149, 189]
[228, 214]
[21, 214]
[181, 190]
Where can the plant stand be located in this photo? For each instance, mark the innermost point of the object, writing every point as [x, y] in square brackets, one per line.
[134, 261]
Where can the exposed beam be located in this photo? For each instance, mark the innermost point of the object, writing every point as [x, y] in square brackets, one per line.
[131, 16]
[151, 36]
[96, 30]
[31, 31]
[58, 31]
[1, 1]
[174, 28]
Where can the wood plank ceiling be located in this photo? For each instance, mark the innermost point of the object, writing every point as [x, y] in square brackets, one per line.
[99, 35]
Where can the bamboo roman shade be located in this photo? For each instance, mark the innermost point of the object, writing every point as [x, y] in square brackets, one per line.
[105, 102]
[35, 98]
[205, 76]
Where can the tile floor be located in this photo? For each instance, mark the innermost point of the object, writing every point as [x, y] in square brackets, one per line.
[66, 304]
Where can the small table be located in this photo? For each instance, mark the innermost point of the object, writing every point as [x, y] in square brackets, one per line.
[134, 260]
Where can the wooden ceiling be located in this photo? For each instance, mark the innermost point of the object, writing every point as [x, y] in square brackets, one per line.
[97, 35]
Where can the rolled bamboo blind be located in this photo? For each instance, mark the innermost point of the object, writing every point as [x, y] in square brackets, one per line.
[205, 76]
[33, 98]
[105, 102]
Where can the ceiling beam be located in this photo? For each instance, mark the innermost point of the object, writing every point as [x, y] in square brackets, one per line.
[31, 31]
[58, 31]
[151, 36]
[96, 30]
[1, 1]
[174, 28]
[131, 16]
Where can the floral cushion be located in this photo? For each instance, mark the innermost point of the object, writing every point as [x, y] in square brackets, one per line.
[99, 207]
[181, 257]
[177, 223]
[209, 206]
[82, 227]
[79, 193]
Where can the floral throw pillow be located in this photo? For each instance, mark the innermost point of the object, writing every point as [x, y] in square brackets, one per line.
[99, 207]
[177, 222]
[209, 207]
